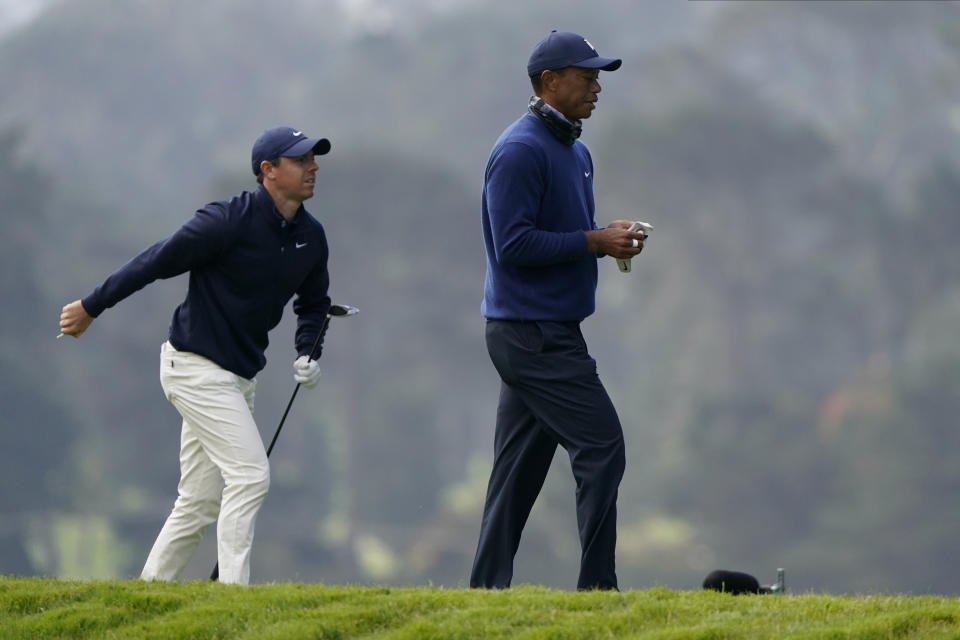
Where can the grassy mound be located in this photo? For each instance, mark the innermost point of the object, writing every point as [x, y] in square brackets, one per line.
[36, 608]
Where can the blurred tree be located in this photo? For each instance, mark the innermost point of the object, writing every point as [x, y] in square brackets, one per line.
[35, 463]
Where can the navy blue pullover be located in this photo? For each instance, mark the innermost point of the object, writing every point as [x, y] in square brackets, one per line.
[537, 203]
[245, 263]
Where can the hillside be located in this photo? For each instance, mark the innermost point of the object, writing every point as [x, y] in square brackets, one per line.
[42, 609]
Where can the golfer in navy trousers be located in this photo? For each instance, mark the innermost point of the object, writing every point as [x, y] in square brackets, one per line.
[542, 245]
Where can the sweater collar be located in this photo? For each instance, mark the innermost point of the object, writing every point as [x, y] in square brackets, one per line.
[265, 201]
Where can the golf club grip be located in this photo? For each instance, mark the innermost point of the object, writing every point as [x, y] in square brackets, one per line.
[316, 343]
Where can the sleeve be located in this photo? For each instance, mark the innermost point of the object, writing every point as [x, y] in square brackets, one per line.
[197, 242]
[311, 305]
[514, 187]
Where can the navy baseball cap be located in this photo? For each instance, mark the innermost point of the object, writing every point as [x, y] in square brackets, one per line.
[563, 49]
[285, 142]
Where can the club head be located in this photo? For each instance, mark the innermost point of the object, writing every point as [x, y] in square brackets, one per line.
[341, 310]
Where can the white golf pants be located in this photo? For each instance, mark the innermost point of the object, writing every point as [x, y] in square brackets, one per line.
[223, 467]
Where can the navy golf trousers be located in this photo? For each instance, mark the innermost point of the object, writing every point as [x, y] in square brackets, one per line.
[550, 394]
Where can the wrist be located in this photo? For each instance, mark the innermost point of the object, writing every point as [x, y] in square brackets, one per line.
[593, 241]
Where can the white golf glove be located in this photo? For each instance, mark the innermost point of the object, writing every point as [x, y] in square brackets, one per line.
[306, 372]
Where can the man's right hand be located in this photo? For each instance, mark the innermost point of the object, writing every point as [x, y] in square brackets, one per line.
[74, 319]
[615, 241]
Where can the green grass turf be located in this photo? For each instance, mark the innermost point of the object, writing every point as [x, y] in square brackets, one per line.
[37, 608]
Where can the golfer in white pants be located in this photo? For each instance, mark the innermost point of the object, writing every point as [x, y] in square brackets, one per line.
[247, 257]
[221, 454]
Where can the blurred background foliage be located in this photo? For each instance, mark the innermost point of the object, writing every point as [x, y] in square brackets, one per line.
[785, 356]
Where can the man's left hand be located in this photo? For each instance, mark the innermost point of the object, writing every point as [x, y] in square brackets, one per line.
[616, 240]
[306, 372]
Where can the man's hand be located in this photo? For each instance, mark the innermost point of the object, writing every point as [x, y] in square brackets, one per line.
[74, 319]
[615, 240]
[306, 372]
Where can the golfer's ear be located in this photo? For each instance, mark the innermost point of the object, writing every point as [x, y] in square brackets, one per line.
[265, 166]
[546, 77]
[549, 79]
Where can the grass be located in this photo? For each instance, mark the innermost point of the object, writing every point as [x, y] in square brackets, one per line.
[37, 608]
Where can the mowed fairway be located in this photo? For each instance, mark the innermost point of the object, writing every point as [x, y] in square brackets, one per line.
[35, 608]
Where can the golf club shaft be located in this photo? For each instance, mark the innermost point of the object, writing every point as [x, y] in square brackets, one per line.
[316, 343]
[313, 351]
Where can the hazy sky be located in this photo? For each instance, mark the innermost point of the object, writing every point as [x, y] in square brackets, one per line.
[14, 13]
[371, 15]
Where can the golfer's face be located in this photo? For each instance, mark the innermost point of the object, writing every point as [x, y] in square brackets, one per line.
[576, 92]
[297, 177]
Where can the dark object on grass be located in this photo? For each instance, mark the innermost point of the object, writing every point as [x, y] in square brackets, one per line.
[735, 582]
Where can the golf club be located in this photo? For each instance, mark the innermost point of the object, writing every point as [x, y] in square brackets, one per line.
[336, 311]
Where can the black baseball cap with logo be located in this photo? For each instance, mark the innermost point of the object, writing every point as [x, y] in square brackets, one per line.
[563, 49]
[285, 142]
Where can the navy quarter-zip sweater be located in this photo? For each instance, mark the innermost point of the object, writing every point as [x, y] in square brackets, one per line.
[537, 205]
[245, 263]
